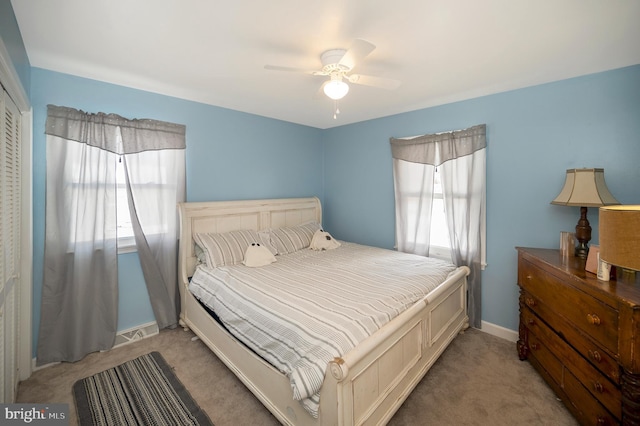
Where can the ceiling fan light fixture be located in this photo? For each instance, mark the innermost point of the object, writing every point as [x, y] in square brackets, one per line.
[336, 89]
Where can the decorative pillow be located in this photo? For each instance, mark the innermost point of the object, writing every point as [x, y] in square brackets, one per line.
[228, 248]
[294, 238]
[322, 240]
[258, 255]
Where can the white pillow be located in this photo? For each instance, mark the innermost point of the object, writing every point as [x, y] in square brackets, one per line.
[228, 248]
[291, 239]
[258, 255]
[322, 240]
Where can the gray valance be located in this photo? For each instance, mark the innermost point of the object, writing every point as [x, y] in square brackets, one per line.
[101, 130]
[437, 148]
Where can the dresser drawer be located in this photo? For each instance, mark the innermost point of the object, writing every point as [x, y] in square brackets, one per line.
[546, 359]
[542, 338]
[589, 315]
[581, 343]
[586, 408]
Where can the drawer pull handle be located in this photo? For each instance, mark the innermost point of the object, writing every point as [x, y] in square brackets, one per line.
[530, 321]
[530, 302]
[597, 386]
[601, 421]
[534, 346]
[595, 355]
[593, 319]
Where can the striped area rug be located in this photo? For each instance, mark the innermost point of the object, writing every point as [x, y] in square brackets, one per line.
[143, 391]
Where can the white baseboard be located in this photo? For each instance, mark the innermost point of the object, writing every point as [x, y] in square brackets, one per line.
[499, 331]
[34, 368]
[123, 337]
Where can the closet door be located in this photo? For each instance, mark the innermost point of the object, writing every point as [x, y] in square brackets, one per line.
[10, 192]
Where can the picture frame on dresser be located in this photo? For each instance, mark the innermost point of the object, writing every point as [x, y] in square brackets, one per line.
[593, 259]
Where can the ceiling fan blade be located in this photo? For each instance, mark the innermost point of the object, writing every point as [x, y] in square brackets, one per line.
[290, 69]
[359, 50]
[368, 80]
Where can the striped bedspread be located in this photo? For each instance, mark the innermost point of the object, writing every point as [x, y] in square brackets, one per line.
[310, 306]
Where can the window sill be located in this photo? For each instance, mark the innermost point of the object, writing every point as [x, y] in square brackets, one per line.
[127, 245]
[439, 252]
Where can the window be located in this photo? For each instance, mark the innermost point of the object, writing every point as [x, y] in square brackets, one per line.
[437, 174]
[150, 182]
[74, 174]
[438, 242]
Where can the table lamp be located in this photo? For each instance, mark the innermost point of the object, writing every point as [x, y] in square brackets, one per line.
[584, 188]
[619, 230]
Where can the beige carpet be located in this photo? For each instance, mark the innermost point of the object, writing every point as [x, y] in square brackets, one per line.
[477, 381]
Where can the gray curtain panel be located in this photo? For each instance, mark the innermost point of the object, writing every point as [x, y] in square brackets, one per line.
[154, 216]
[80, 283]
[461, 157]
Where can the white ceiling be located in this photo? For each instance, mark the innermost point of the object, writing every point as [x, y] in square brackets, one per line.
[442, 51]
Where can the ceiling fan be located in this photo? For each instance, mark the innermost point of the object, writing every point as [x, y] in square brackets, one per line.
[337, 64]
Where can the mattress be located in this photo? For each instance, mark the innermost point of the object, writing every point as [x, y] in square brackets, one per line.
[309, 307]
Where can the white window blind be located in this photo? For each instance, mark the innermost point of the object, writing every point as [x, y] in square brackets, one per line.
[10, 213]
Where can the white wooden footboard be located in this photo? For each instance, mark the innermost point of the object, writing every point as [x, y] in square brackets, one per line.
[375, 378]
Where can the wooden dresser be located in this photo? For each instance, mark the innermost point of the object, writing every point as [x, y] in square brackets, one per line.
[582, 335]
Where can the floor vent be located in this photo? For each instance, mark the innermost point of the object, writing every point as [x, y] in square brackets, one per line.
[140, 332]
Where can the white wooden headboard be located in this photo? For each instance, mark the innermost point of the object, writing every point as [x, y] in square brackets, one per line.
[225, 216]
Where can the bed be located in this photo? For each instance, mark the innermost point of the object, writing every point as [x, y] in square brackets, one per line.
[365, 385]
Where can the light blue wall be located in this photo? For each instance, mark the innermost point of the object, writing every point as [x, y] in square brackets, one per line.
[230, 155]
[12, 40]
[533, 136]
[134, 307]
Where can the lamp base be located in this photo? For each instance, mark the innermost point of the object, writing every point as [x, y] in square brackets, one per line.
[582, 250]
[583, 234]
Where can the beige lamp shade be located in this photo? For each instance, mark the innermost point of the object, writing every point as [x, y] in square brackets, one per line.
[585, 188]
[619, 230]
